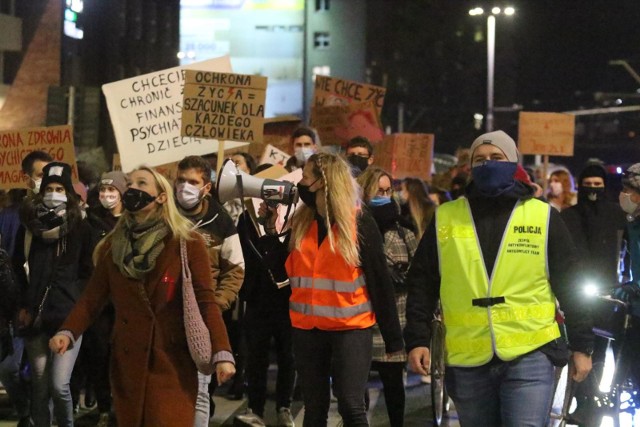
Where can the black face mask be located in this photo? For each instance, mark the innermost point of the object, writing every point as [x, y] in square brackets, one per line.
[590, 194]
[133, 199]
[308, 197]
[358, 162]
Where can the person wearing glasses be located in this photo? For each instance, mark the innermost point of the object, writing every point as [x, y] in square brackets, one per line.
[399, 247]
[359, 154]
[497, 259]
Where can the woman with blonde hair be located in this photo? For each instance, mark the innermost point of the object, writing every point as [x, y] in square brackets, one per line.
[340, 288]
[399, 246]
[154, 379]
[418, 206]
[561, 194]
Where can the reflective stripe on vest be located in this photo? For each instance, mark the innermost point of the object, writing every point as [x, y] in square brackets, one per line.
[526, 318]
[326, 284]
[326, 292]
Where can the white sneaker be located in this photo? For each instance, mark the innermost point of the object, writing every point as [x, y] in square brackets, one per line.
[250, 419]
[285, 419]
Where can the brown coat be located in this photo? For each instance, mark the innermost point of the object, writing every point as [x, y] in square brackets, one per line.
[153, 378]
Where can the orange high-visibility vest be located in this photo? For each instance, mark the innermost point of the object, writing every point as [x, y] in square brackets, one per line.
[326, 292]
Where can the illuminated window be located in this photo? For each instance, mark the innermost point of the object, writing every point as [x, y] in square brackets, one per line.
[321, 40]
[322, 5]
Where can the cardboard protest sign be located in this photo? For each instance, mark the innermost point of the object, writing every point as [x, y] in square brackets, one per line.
[146, 115]
[332, 91]
[406, 155]
[57, 141]
[546, 133]
[338, 124]
[274, 156]
[223, 106]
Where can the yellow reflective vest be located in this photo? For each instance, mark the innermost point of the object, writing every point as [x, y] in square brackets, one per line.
[510, 313]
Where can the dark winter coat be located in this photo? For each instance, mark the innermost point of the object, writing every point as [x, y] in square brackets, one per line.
[64, 264]
[597, 229]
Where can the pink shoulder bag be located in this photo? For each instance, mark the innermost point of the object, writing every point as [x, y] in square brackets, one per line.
[198, 335]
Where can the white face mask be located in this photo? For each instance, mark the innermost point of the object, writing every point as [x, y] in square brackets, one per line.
[36, 185]
[52, 200]
[109, 200]
[188, 195]
[303, 154]
[555, 188]
[627, 205]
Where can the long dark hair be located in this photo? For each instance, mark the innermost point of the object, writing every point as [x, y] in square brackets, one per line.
[421, 206]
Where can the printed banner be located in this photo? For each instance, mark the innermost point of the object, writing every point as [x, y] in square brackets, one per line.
[57, 141]
[146, 115]
[546, 133]
[406, 155]
[223, 106]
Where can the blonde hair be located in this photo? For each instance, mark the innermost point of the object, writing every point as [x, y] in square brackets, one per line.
[369, 180]
[342, 201]
[179, 225]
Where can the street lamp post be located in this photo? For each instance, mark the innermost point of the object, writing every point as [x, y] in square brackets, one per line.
[491, 50]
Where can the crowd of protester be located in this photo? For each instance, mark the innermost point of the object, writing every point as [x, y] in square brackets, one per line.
[91, 276]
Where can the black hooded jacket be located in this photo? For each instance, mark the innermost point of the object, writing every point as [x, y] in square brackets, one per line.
[491, 215]
[597, 228]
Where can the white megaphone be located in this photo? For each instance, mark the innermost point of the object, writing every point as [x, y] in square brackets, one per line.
[233, 183]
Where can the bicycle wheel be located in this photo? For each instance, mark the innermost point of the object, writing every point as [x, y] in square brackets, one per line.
[439, 398]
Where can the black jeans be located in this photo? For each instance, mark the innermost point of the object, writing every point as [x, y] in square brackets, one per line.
[260, 326]
[341, 356]
[391, 375]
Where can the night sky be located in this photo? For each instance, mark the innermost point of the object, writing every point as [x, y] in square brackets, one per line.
[552, 55]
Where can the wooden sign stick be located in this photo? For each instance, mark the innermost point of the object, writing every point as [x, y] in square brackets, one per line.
[220, 157]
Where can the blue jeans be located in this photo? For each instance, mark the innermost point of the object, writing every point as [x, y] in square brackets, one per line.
[50, 376]
[509, 394]
[10, 378]
[341, 356]
[203, 401]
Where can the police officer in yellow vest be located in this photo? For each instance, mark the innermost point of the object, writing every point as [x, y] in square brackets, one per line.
[497, 259]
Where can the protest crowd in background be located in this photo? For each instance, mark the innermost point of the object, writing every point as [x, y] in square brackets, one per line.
[328, 248]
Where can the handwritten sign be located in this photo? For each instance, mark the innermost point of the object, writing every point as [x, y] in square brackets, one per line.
[546, 133]
[223, 106]
[57, 141]
[274, 156]
[338, 124]
[406, 155]
[146, 115]
[332, 91]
